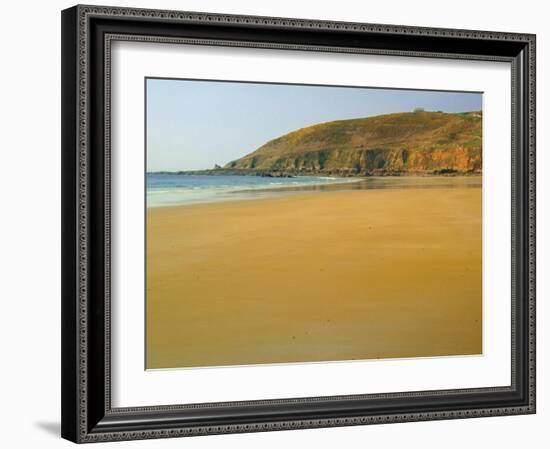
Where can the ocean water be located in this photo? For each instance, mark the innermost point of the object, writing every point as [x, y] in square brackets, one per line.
[177, 190]
[173, 190]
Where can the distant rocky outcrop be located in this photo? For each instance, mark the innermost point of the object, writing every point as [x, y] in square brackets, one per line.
[417, 142]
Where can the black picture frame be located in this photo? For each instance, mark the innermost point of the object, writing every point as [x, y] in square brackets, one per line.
[87, 415]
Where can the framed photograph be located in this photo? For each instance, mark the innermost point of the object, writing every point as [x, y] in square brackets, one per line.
[274, 224]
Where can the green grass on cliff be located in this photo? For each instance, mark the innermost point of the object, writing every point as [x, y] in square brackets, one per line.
[392, 143]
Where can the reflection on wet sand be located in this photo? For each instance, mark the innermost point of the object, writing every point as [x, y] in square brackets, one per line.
[376, 182]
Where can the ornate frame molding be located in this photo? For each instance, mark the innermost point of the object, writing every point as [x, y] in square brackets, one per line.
[80, 415]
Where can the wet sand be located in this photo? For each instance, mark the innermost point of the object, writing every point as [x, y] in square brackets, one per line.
[337, 275]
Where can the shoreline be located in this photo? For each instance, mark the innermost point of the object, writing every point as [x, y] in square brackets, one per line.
[348, 183]
[336, 174]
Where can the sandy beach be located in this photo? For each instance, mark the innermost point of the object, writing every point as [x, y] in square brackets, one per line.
[315, 276]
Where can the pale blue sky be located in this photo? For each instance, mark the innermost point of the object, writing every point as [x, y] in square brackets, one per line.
[195, 124]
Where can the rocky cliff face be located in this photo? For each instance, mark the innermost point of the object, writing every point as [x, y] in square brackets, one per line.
[402, 143]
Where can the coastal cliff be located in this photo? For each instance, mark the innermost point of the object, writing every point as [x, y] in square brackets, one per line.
[393, 144]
